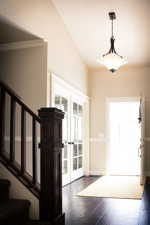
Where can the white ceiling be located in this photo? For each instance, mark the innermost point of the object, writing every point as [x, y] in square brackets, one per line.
[88, 23]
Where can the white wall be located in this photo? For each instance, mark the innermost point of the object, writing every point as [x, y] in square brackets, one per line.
[41, 18]
[102, 84]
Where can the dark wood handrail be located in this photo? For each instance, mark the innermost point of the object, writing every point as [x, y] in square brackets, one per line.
[49, 189]
[9, 90]
[17, 169]
[18, 99]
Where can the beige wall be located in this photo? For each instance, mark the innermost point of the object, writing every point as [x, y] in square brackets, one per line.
[25, 71]
[19, 191]
[125, 82]
[41, 18]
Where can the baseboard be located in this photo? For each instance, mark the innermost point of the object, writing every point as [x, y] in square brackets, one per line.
[103, 173]
[97, 173]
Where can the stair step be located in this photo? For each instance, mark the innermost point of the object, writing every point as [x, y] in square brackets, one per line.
[4, 189]
[14, 212]
[36, 222]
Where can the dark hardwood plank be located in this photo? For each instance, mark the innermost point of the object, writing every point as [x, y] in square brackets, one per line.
[98, 211]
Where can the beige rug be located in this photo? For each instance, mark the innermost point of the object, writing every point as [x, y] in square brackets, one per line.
[115, 187]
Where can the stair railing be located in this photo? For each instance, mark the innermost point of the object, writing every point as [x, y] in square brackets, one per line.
[47, 144]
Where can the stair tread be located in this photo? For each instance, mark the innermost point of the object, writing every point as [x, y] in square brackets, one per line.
[12, 209]
[36, 222]
[4, 189]
[4, 183]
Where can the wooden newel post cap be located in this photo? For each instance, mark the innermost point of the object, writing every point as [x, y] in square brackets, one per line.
[51, 111]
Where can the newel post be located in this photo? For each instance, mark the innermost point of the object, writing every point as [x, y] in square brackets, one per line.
[51, 166]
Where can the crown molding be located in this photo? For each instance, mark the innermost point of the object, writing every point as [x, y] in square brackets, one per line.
[21, 45]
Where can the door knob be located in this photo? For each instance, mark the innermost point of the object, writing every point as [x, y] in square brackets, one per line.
[70, 143]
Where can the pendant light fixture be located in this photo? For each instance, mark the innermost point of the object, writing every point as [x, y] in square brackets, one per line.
[111, 59]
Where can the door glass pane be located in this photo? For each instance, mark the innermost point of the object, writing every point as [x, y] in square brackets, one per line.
[57, 101]
[80, 110]
[64, 104]
[80, 162]
[65, 152]
[74, 163]
[75, 150]
[75, 108]
[64, 167]
[80, 149]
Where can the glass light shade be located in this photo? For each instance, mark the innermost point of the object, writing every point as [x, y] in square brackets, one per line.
[113, 61]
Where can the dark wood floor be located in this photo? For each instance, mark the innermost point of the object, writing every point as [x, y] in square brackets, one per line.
[104, 211]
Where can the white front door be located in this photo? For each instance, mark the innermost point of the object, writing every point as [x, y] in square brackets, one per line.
[72, 154]
[124, 137]
[142, 141]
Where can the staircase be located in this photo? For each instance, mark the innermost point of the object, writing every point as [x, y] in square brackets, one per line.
[12, 211]
[49, 189]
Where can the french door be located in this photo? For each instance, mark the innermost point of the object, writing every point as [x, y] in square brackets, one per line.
[72, 153]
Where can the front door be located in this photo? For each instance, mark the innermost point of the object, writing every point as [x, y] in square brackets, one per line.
[142, 141]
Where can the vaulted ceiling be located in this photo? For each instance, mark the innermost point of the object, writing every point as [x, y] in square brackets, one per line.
[88, 23]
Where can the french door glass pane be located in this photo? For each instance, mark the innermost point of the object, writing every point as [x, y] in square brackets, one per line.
[75, 166]
[65, 152]
[64, 104]
[57, 101]
[80, 162]
[80, 110]
[80, 149]
[75, 108]
[75, 150]
[65, 167]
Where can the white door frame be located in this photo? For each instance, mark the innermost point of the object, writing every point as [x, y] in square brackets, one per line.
[128, 99]
[51, 80]
[142, 145]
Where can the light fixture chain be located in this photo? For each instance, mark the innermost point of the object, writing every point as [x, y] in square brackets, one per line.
[112, 28]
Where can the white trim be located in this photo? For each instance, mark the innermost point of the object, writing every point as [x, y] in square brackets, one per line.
[61, 81]
[97, 173]
[53, 80]
[123, 99]
[22, 45]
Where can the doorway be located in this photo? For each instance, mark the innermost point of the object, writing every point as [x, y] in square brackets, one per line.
[124, 156]
[73, 105]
